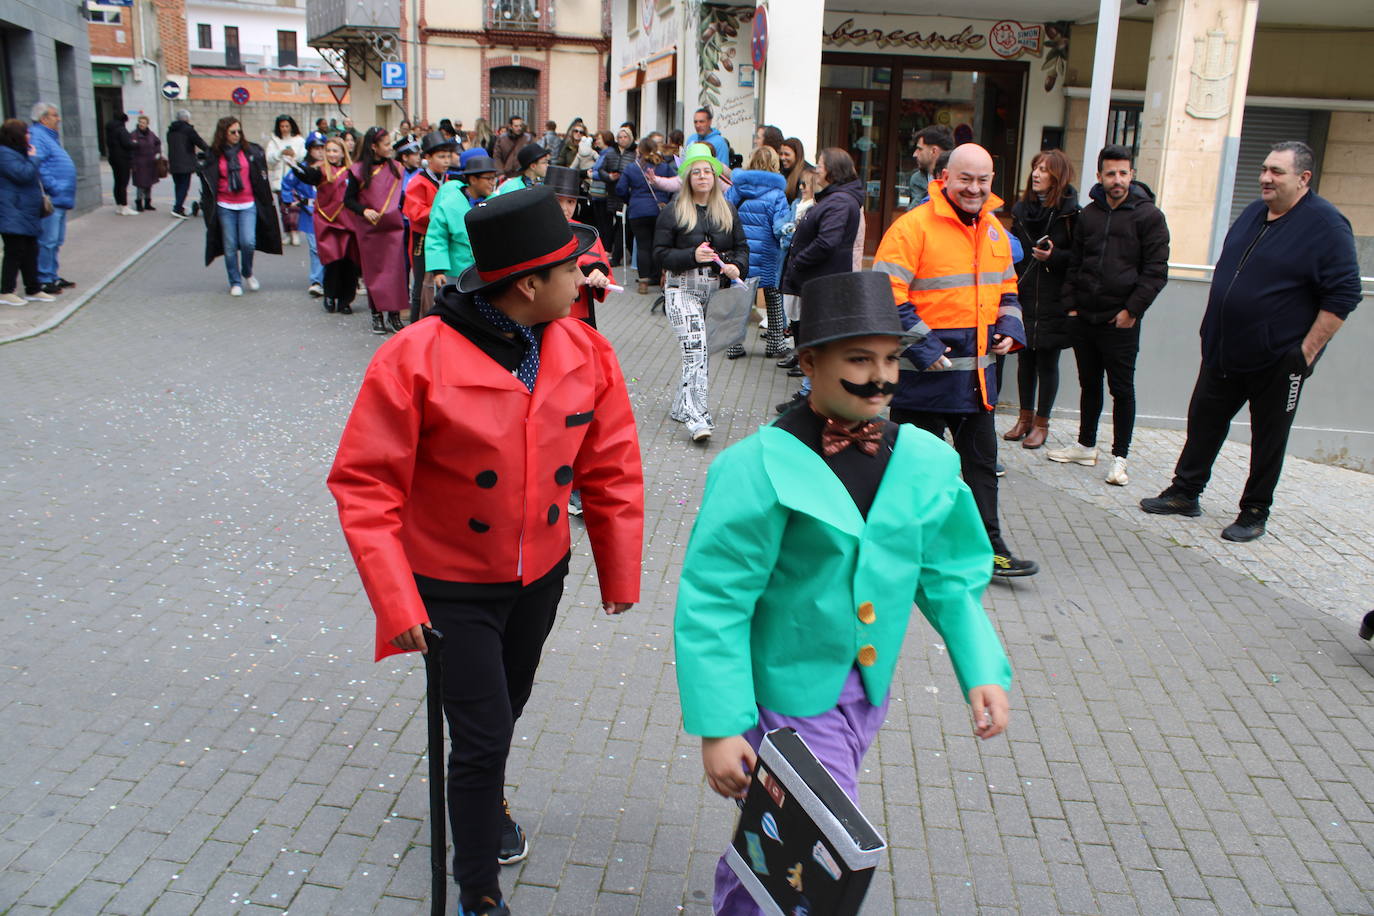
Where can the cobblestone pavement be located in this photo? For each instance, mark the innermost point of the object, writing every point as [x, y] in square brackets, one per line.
[1319, 548]
[192, 722]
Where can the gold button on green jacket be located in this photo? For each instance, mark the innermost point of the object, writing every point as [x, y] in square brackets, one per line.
[772, 605]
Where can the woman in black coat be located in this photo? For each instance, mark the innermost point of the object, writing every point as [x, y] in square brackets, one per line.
[1043, 221]
[237, 203]
[699, 242]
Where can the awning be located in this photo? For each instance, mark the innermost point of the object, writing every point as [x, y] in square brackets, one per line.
[631, 78]
[109, 74]
[661, 66]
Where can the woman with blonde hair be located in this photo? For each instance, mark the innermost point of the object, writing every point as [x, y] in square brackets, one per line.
[334, 239]
[482, 135]
[699, 242]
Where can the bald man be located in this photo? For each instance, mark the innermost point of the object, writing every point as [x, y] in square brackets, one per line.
[949, 262]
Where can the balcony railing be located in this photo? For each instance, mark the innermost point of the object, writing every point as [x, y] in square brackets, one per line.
[519, 15]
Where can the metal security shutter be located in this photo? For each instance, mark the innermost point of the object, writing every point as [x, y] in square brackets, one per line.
[1261, 129]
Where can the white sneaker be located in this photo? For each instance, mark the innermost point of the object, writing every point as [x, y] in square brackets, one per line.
[253, 284]
[236, 290]
[700, 433]
[1075, 454]
[316, 290]
[40, 296]
[1117, 477]
[127, 211]
[13, 299]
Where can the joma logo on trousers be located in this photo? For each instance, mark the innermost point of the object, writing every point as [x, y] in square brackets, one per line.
[1294, 386]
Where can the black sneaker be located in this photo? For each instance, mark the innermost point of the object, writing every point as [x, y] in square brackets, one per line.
[330, 305]
[1006, 566]
[488, 907]
[53, 288]
[1247, 526]
[1367, 626]
[393, 321]
[64, 283]
[378, 323]
[514, 845]
[785, 406]
[788, 361]
[345, 308]
[999, 469]
[1172, 502]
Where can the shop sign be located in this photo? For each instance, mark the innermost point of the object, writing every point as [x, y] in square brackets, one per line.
[1008, 39]
[846, 33]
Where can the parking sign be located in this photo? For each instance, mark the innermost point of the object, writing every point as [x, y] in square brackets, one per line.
[393, 74]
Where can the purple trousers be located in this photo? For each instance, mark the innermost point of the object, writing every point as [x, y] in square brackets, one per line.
[839, 738]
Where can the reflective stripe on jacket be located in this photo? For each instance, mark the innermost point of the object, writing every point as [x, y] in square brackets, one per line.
[955, 285]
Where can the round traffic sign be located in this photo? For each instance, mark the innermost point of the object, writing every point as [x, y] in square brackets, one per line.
[758, 46]
[171, 89]
[240, 96]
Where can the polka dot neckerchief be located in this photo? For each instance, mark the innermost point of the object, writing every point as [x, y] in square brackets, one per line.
[528, 369]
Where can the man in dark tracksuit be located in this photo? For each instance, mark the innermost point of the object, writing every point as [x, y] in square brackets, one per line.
[1286, 280]
[1119, 264]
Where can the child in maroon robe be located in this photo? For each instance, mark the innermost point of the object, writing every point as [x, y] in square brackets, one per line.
[375, 183]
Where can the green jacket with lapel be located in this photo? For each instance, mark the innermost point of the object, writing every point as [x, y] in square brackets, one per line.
[786, 587]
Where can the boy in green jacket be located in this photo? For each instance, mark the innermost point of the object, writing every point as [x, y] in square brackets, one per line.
[814, 536]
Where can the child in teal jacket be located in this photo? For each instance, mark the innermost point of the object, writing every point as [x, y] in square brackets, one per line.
[814, 537]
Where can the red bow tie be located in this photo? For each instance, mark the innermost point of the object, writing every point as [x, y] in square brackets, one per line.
[837, 436]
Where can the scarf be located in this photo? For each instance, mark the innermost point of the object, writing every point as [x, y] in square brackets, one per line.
[234, 166]
[528, 369]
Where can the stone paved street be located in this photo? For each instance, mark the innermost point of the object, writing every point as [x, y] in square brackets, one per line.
[190, 720]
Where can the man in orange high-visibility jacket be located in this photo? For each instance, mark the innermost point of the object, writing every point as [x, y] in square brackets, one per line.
[949, 261]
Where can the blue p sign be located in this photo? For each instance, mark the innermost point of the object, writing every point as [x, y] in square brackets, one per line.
[393, 75]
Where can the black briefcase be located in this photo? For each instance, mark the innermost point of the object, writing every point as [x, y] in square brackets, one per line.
[802, 847]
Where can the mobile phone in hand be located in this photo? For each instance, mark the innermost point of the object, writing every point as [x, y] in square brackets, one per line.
[1042, 242]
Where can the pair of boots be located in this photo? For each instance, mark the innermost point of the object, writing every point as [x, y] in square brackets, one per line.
[1030, 430]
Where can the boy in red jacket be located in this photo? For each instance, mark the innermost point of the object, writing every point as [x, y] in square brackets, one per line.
[470, 431]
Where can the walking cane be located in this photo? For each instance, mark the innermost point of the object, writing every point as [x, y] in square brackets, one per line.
[438, 814]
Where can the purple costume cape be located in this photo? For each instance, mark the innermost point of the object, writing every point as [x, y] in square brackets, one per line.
[382, 246]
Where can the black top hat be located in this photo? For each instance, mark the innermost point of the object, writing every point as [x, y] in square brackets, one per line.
[517, 234]
[529, 154]
[564, 182]
[847, 305]
[480, 165]
[435, 141]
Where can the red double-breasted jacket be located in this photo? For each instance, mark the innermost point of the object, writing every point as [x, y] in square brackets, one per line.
[416, 204]
[450, 468]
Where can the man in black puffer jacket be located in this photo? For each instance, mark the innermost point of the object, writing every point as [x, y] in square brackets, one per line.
[1120, 263]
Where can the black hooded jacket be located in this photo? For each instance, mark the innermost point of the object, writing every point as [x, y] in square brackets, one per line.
[182, 143]
[1120, 257]
[824, 241]
[1039, 284]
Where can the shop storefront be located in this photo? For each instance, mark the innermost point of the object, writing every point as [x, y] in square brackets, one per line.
[884, 80]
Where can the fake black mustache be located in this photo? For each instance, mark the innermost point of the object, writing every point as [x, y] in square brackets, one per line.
[869, 390]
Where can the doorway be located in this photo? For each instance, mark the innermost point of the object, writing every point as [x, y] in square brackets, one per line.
[873, 105]
[513, 93]
[109, 101]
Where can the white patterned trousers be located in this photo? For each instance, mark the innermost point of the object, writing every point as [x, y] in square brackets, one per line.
[685, 301]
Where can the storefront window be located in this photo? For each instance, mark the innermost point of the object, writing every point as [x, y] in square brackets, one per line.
[874, 109]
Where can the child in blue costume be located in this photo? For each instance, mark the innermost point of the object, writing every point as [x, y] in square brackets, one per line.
[814, 537]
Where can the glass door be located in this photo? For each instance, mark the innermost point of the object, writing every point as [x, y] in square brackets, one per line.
[854, 107]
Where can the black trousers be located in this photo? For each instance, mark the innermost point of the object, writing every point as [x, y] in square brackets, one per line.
[181, 183]
[341, 280]
[492, 648]
[1105, 349]
[975, 439]
[417, 276]
[1217, 397]
[1037, 380]
[21, 257]
[642, 230]
[122, 171]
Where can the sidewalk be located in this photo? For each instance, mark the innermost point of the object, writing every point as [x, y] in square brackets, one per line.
[100, 246]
